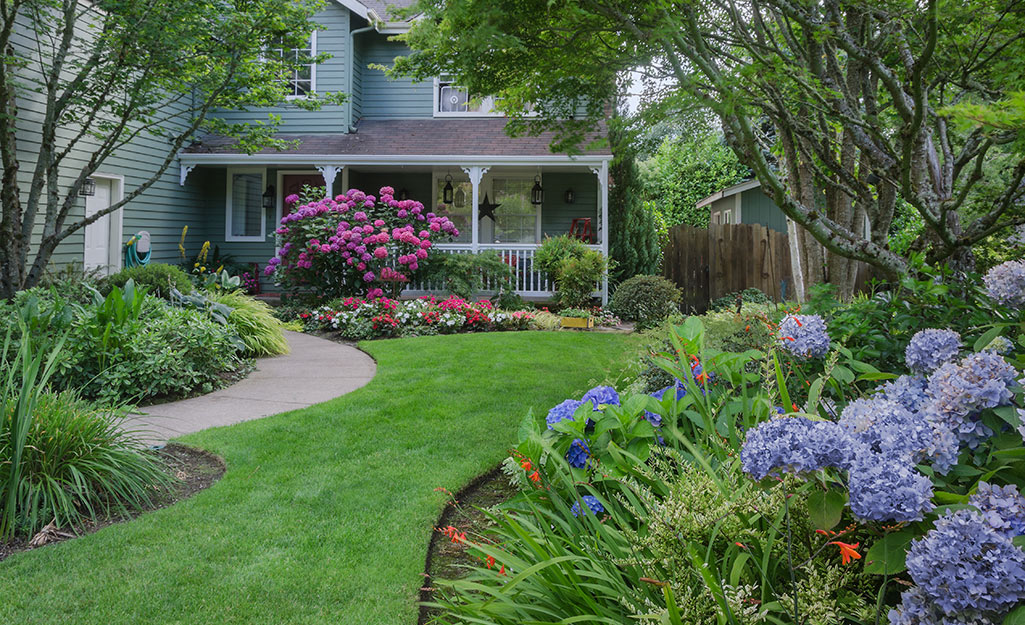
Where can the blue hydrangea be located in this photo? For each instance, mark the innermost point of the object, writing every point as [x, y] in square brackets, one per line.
[578, 453]
[1006, 283]
[959, 391]
[929, 349]
[601, 395]
[917, 609]
[593, 506]
[887, 427]
[911, 392]
[964, 567]
[1002, 508]
[804, 335]
[794, 445]
[562, 412]
[656, 419]
[885, 488]
[908, 391]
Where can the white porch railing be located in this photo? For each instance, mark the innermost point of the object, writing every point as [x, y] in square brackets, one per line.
[528, 281]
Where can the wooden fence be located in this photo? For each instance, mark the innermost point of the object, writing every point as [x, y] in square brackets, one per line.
[709, 263]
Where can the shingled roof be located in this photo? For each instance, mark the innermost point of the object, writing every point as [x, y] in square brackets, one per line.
[414, 137]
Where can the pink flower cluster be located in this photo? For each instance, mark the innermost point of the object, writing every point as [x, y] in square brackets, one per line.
[356, 243]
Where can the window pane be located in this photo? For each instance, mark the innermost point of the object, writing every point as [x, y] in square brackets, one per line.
[516, 218]
[246, 205]
[460, 209]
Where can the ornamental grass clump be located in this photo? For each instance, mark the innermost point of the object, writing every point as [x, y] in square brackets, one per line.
[356, 244]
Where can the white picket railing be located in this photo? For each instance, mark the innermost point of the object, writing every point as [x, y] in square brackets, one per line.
[528, 281]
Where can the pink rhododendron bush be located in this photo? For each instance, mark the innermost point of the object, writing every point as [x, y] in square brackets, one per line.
[358, 318]
[356, 244]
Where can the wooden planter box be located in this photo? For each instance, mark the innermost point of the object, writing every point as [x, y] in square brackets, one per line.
[577, 322]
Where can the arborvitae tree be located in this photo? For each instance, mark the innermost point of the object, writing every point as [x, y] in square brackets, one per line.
[633, 240]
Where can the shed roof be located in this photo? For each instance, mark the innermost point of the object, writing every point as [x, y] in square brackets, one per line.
[728, 191]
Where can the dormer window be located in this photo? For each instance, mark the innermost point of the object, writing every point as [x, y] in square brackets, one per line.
[452, 100]
[303, 79]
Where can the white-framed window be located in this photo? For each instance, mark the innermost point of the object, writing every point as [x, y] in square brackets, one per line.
[244, 219]
[460, 210]
[303, 80]
[516, 219]
[452, 100]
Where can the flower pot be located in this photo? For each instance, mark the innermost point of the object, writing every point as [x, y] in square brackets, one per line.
[577, 322]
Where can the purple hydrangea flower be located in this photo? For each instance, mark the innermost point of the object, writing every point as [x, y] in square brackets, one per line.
[655, 419]
[578, 453]
[908, 391]
[964, 567]
[794, 445]
[804, 335]
[887, 427]
[884, 488]
[593, 506]
[562, 412]
[959, 391]
[1002, 508]
[1006, 283]
[931, 348]
[601, 395]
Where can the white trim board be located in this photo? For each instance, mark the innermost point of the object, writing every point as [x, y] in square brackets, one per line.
[350, 160]
[728, 191]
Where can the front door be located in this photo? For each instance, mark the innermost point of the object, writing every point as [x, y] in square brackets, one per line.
[98, 248]
[292, 184]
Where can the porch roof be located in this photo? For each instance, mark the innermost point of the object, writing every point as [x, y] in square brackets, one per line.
[474, 138]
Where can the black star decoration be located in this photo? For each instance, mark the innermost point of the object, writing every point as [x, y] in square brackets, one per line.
[487, 208]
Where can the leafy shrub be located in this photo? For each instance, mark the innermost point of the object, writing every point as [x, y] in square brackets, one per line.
[254, 322]
[159, 279]
[348, 245]
[645, 299]
[554, 250]
[576, 313]
[467, 275]
[578, 277]
[749, 295]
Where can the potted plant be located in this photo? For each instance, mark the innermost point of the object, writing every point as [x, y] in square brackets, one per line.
[576, 318]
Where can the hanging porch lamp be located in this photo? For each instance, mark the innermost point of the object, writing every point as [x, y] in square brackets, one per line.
[537, 194]
[446, 193]
[269, 197]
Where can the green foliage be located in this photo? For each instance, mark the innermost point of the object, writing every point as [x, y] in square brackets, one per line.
[553, 250]
[78, 462]
[577, 277]
[254, 322]
[648, 300]
[684, 171]
[633, 238]
[220, 281]
[158, 278]
[468, 275]
[576, 313]
[749, 295]
[545, 321]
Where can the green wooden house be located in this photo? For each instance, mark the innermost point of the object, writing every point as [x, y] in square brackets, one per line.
[417, 137]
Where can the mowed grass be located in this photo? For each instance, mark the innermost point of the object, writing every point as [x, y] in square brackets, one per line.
[325, 513]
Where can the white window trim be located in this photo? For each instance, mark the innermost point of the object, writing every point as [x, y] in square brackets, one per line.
[438, 113]
[227, 210]
[313, 70]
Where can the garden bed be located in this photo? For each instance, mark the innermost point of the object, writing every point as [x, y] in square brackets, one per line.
[194, 469]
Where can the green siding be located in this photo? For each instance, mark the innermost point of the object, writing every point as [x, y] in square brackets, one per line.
[383, 98]
[759, 208]
[556, 215]
[333, 39]
[417, 183]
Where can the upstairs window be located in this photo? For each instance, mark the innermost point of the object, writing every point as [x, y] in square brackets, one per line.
[303, 79]
[451, 99]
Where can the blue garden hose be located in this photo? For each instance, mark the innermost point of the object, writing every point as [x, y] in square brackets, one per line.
[132, 256]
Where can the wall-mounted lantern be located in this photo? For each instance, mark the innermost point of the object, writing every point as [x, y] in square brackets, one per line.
[446, 193]
[269, 197]
[88, 188]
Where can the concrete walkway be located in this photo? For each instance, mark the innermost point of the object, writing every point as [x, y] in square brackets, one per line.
[316, 370]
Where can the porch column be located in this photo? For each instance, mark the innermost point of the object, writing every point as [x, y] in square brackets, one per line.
[329, 172]
[476, 174]
[603, 221]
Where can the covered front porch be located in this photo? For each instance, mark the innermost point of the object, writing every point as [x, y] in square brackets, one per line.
[495, 202]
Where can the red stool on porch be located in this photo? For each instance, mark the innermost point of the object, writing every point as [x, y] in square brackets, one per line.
[580, 228]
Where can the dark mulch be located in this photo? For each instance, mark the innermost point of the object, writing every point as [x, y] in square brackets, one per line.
[194, 468]
[447, 559]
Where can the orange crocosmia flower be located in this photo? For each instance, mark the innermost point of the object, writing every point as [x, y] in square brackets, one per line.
[823, 532]
[502, 572]
[526, 465]
[741, 545]
[535, 477]
[798, 322]
[847, 552]
[491, 561]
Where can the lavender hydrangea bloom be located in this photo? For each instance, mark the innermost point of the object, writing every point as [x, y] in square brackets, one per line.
[886, 427]
[593, 506]
[578, 453]
[883, 488]
[959, 391]
[929, 349]
[1002, 508]
[563, 411]
[917, 609]
[794, 445]
[804, 335]
[963, 565]
[656, 419]
[601, 395]
[908, 391]
[1006, 283]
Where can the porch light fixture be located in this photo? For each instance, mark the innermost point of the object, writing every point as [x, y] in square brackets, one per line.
[537, 194]
[569, 197]
[403, 194]
[88, 188]
[269, 197]
[447, 192]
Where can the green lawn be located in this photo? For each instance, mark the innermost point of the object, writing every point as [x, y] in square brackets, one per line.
[324, 514]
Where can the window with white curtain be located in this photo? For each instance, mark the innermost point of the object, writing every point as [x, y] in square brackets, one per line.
[244, 219]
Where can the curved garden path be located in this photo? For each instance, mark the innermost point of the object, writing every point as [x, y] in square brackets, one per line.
[315, 371]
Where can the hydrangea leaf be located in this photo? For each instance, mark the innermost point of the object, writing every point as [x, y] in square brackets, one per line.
[1015, 616]
[987, 338]
[887, 556]
[825, 508]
